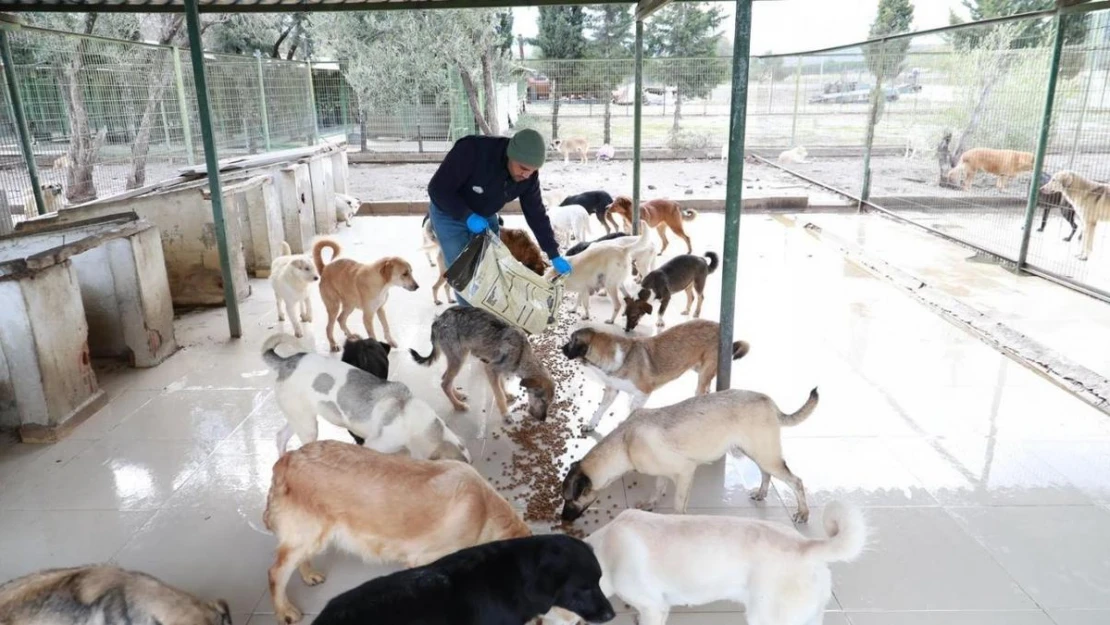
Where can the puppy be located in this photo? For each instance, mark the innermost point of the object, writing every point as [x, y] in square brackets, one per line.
[345, 207]
[569, 222]
[1090, 199]
[573, 145]
[53, 198]
[681, 273]
[596, 203]
[598, 267]
[509, 582]
[654, 562]
[505, 350]
[370, 355]
[377, 506]
[524, 249]
[1004, 164]
[606, 152]
[670, 443]
[431, 241]
[290, 276]
[638, 366]
[347, 285]
[1049, 200]
[383, 414]
[103, 595]
[793, 155]
[659, 214]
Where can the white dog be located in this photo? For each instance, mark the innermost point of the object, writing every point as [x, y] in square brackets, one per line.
[1090, 199]
[431, 241]
[599, 267]
[570, 221]
[794, 155]
[654, 562]
[641, 250]
[291, 275]
[606, 152]
[345, 207]
[383, 413]
[724, 151]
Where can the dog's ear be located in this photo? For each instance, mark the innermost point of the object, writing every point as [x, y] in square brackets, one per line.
[576, 483]
[387, 270]
[647, 308]
[386, 346]
[643, 295]
[223, 612]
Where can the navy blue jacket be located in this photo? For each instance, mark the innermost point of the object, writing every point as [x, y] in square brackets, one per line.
[474, 178]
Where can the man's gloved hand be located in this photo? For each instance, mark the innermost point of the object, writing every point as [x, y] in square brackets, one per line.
[476, 224]
[561, 265]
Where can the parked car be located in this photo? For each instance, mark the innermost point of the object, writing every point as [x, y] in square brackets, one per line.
[539, 86]
[862, 94]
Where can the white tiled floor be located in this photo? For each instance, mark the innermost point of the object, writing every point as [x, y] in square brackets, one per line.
[987, 487]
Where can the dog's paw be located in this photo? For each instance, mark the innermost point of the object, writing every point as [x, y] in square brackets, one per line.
[757, 495]
[392, 343]
[462, 407]
[289, 615]
[801, 516]
[306, 318]
[437, 302]
[685, 313]
[335, 348]
[609, 321]
[314, 578]
[647, 505]
[298, 333]
[1082, 257]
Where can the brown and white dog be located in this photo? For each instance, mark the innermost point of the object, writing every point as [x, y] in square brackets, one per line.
[1090, 199]
[53, 198]
[659, 214]
[1005, 164]
[378, 506]
[638, 366]
[576, 145]
[347, 285]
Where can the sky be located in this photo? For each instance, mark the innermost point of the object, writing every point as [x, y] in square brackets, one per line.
[827, 23]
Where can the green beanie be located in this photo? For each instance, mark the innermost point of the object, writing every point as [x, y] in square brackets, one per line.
[527, 147]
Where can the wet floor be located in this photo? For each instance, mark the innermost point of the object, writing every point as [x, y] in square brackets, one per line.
[987, 488]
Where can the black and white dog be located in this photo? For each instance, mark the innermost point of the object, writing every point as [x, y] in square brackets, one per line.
[596, 203]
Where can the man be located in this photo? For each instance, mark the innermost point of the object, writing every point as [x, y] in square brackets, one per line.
[475, 181]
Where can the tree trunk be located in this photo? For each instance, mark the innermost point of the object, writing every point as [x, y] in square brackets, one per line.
[140, 148]
[554, 95]
[491, 92]
[472, 98]
[82, 155]
[361, 131]
[677, 110]
[608, 132]
[976, 116]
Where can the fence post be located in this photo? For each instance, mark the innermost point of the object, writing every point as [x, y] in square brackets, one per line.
[637, 126]
[312, 105]
[771, 91]
[1093, 57]
[183, 107]
[262, 100]
[1042, 140]
[797, 96]
[21, 124]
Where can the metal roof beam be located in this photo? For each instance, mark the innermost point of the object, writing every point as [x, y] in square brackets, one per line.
[644, 8]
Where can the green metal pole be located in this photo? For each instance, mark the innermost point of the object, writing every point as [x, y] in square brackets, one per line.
[797, 98]
[636, 126]
[312, 105]
[735, 189]
[1042, 140]
[183, 107]
[21, 124]
[212, 162]
[262, 100]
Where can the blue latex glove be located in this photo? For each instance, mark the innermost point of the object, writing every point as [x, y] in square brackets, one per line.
[476, 224]
[561, 265]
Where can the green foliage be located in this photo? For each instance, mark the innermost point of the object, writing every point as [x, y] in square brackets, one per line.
[885, 60]
[687, 34]
[1033, 33]
[561, 32]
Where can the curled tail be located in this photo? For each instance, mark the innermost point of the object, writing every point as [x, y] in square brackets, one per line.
[689, 214]
[271, 357]
[285, 249]
[318, 252]
[740, 349]
[847, 534]
[788, 420]
[714, 261]
[430, 358]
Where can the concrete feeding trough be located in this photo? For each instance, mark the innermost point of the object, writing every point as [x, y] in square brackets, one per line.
[72, 293]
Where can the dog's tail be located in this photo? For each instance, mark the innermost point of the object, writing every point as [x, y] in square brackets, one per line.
[740, 349]
[689, 214]
[430, 358]
[285, 249]
[268, 348]
[847, 534]
[714, 261]
[318, 252]
[788, 420]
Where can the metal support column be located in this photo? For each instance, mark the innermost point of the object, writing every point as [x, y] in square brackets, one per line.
[183, 107]
[212, 163]
[797, 100]
[312, 105]
[734, 189]
[21, 125]
[262, 100]
[637, 122]
[1042, 140]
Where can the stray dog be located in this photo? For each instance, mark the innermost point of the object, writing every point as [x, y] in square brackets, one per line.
[671, 442]
[578, 248]
[596, 203]
[104, 595]
[52, 199]
[346, 206]
[602, 266]
[576, 145]
[524, 249]
[370, 355]
[639, 366]
[1090, 199]
[606, 152]
[1049, 200]
[384, 414]
[793, 155]
[377, 506]
[570, 221]
[505, 350]
[1004, 164]
[347, 285]
[441, 281]
[431, 241]
[686, 272]
[654, 562]
[659, 214]
[510, 582]
[290, 276]
[641, 250]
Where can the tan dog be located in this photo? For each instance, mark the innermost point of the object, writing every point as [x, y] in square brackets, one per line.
[576, 145]
[659, 214]
[53, 198]
[1004, 164]
[102, 595]
[599, 267]
[378, 506]
[671, 442]
[638, 366]
[347, 285]
[1090, 199]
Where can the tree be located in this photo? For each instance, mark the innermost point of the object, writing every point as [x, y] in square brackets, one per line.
[561, 37]
[688, 34]
[611, 40]
[885, 59]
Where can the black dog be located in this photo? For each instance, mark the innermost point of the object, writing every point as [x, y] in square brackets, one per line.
[681, 273]
[1055, 199]
[596, 203]
[578, 248]
[372, 357]
[508, 582]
